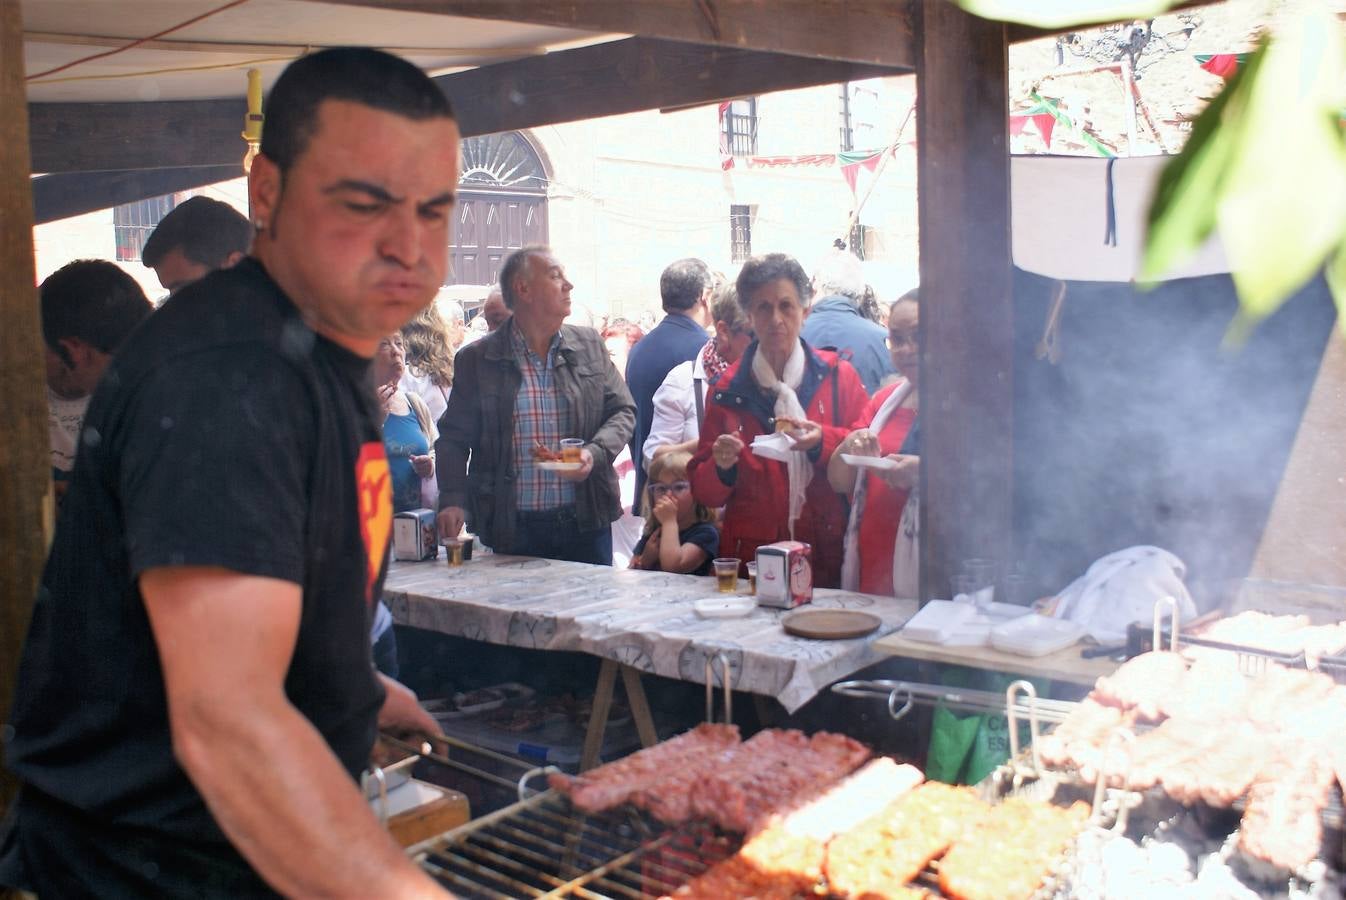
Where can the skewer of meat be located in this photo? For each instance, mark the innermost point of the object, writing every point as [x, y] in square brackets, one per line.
[1011, 851]
[1283, 825]
[767, 772]
[689, 755]
[1142, 683]
[877, 858]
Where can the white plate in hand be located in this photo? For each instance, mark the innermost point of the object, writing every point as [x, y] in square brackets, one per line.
[777, 446]
[552, 465]
[868, 462]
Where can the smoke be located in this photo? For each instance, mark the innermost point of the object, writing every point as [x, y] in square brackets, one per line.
[1150, 430]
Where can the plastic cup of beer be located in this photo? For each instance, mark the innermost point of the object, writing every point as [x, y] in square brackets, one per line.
[752, 578]
[570, 450]
[453, 549]
[726, 574]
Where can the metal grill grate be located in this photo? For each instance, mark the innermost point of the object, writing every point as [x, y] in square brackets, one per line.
[541, 847]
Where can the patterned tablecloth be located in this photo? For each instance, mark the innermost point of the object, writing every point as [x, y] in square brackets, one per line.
[642, 619]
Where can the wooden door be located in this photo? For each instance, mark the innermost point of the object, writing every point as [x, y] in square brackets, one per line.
[487, 227]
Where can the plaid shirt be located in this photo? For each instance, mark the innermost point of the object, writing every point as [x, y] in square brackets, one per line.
[541, 413]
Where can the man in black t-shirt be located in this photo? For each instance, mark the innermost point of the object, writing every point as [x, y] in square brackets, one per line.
[196, 692]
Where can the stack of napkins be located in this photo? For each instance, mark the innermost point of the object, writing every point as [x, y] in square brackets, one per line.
[778, 446]
[959, 624]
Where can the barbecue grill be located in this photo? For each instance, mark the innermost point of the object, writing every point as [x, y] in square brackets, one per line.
[543, 847]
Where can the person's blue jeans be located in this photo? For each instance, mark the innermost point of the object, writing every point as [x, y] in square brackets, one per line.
[555, 534]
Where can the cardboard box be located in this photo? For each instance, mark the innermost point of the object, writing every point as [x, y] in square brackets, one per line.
[784, 574]
[414, 535]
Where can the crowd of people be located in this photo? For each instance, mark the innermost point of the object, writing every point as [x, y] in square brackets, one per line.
[667, 421]
[230, 464]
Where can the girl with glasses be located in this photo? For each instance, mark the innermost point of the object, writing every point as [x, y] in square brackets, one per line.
[680, 534]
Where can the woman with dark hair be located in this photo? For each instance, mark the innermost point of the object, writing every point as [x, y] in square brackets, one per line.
[882, 535]
[780, 384]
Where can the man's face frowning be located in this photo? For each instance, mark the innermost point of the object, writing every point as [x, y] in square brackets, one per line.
[357, 231]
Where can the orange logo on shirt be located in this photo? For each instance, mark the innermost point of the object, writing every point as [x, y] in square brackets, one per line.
[374, 490]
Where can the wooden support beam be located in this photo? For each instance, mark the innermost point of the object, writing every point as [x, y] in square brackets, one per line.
[868, 31]
[25, 452]
[601, 80]
[967, 332]
[627, 76]
[75, 193]
[103, 137]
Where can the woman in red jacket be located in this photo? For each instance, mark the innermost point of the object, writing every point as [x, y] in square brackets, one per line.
[780, 380]
[881, 546]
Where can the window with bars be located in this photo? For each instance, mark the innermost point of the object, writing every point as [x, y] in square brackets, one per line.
[740, 127]
[133, 222]
[740, 233]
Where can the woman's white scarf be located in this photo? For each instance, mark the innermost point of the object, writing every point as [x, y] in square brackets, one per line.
[799, 469]
[850, 562]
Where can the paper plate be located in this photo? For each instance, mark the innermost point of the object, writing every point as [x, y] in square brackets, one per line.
[726, 607]
[557, 466]
[868, 462]
[829, 624]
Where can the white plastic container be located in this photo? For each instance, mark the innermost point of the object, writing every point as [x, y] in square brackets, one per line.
[938, 621]
[1035, 635]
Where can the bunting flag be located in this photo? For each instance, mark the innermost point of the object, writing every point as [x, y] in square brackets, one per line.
[1222, 64]
[851, 170]
[1045, 122]
[777, 162]
[1043, 110]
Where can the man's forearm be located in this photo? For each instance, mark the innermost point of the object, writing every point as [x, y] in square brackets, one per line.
[283, 799]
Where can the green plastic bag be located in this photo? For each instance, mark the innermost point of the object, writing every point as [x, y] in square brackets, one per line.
[965, 749]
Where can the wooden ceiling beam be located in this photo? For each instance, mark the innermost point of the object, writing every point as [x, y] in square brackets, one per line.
[599, 80]
[628, 76]
[75, 193]
[864, 31]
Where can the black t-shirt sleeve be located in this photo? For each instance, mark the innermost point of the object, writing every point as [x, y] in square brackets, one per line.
[214, 465]
[704, 535]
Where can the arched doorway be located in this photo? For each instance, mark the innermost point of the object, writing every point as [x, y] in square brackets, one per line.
[502, 205]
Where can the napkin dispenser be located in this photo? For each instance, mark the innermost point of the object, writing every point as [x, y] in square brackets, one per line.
[414, 535]
[784, 574]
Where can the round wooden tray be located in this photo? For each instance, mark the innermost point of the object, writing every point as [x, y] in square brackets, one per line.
[829, 624]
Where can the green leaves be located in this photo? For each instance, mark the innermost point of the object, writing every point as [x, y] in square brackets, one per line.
[1266, 167]
[1183, 211]
[1064, 13]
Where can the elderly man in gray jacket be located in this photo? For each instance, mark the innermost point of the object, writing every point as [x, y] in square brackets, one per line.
[531, 383]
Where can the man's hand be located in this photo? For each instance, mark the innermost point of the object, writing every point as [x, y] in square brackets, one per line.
[423, 465]
[586, 466]
[726, 450]
[402, 713]
[450, 522]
